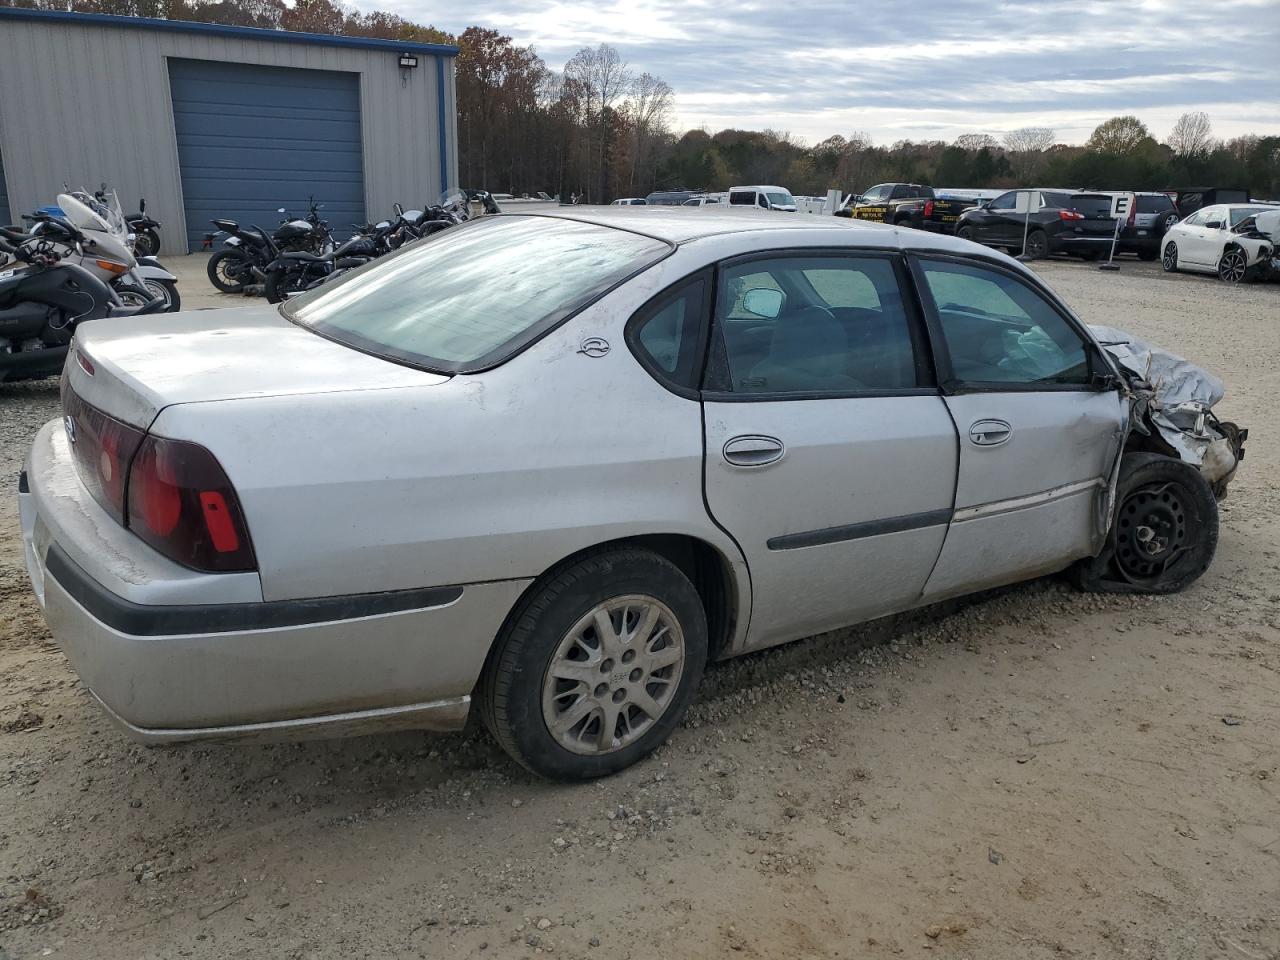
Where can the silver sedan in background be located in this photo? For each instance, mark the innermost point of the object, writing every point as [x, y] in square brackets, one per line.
[551, 465]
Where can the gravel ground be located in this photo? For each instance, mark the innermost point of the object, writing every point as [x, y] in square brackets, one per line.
[1038, 773]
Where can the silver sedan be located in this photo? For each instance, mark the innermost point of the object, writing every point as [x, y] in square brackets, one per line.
[552, 465]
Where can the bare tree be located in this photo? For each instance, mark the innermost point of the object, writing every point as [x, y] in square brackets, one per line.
[1192, 136]
[1026, 146]
[603, 73]
[649, 110]
[976, 141]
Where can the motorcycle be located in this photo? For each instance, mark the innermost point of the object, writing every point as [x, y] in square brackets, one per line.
[241, 267]
[294, 272]
[137, 280]
[144, 229]
[46, 298]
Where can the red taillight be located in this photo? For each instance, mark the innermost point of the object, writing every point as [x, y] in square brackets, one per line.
[1070, 215]
[181, 502]
[102, 447]
[928, 208]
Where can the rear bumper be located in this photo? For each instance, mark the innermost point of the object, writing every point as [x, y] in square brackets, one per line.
[200, 665]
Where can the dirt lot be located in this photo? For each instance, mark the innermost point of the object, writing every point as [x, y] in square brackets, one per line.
[1039, 774]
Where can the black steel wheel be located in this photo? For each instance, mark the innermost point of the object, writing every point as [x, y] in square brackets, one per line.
[1164, 532]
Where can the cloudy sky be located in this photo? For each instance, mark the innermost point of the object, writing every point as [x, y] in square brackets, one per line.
[928, 69]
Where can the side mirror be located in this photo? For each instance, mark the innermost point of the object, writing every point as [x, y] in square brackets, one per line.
[763, 302]
[1213, 225]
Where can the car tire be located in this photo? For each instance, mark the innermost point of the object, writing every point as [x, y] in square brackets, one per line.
[1169, 259]
[1037, 247]
[1164, 532]
[602, 727]
[965, 233]
[1233, 266]
[146, 243]
[223, 266]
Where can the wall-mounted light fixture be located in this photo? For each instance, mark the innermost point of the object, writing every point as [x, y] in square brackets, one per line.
[408, 61]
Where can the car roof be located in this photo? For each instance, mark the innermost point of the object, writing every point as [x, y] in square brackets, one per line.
[678, 225]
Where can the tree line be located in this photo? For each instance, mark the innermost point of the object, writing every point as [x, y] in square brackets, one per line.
[598, 129]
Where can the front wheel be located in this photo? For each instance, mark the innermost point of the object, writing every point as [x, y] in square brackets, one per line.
[146, 243]
[1234, 266]
[965, 233]
[597, 666]
[1169, 259]
[229, 271]
[1164, 533]
[166, 290]
[132, 296]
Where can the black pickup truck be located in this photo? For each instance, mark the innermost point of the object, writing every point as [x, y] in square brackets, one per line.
[907, 205]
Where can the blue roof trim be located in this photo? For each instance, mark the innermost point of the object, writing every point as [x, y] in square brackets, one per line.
[222, 30]
[440, 127]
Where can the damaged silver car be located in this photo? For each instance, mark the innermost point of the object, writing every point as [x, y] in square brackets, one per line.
[550, 465]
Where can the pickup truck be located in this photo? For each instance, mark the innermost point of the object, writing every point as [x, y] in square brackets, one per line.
[907, 205]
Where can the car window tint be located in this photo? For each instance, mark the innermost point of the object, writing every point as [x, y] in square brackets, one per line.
[877, 192]
[1056, 200]
[999, 330]
[838, 326]
[1005, 201]
[1196, 219]
[1093, 205]
[474, 291]
[1240, 214]
[1154, 204]
[667, 332]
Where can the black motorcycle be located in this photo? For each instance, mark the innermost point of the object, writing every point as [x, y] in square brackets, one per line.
[242, 264]
[146, 239]
[297, 271]
[42, 303]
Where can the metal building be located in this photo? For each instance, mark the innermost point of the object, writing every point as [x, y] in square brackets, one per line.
[205, 120]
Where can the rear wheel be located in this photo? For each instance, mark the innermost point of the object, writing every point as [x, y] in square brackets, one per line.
[1234, 266]
[166, 290]
[229, 271]
[146, 243]
[1165, 530]
[597, 666]
[1169, 260]
[1037, 245]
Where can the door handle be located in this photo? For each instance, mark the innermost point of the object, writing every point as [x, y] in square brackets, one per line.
[752, 451]
[989, 433]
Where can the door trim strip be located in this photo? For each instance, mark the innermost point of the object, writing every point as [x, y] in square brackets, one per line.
[1030, 500]
[857, 531]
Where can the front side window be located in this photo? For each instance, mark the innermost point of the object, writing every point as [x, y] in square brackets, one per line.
[782, 199]
[1197, 219]
[877, 193]
[1006, 201]
[825, 325]
[474, 294]
[998, 330]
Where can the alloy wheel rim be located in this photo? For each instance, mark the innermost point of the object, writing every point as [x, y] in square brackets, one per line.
[161, 291]
[225, 271]
[1035, 246]
[1232, 267]
[613, 675]
[1170, 256]
[1151, 532]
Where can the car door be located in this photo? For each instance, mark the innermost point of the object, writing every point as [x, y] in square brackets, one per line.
[1040, 421]
[994, 223]
[830, 455]
[1204, 229]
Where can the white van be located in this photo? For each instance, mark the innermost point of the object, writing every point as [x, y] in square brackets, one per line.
[765, 197]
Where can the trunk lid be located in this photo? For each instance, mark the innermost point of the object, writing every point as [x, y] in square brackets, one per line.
[143, 364]
[1096, 210]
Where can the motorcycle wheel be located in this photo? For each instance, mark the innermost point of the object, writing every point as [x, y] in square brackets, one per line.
[147, 243]
[281, 284]
[166, 290]
[228, 271]
[132, 296]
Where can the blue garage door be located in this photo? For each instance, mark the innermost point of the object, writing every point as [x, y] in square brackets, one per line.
[252, 139]
[4, 197]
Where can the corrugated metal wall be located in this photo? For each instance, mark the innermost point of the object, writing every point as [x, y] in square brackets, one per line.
[110, 119]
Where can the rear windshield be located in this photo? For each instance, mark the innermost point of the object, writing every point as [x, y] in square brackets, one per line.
[1092, 205]
[471, 296]
[1154, 204]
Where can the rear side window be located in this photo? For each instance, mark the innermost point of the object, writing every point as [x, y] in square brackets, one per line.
[665, 333]
[811, 325]
[742, 198]
[1154, 204]
[998, 330]
[1093, 205]
[473, 295]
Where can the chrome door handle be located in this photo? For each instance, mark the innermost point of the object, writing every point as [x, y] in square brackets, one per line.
[752, 451]
[989, 433]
